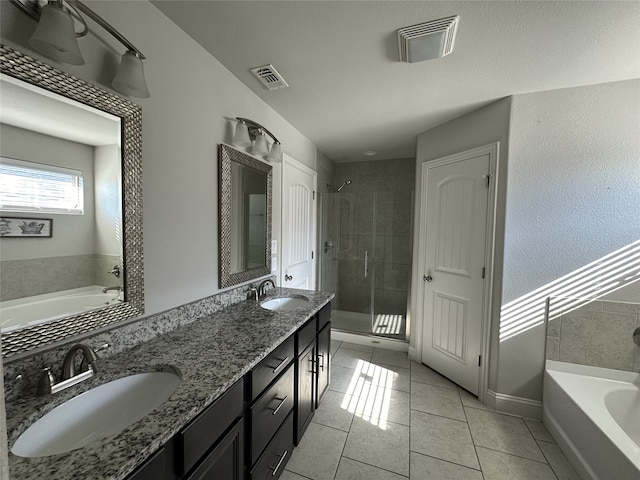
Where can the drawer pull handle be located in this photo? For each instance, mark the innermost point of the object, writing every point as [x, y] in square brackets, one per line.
[280, 405]
[280, 364]
[275, 470]
[321, 357]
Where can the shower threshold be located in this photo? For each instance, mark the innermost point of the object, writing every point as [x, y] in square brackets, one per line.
[385, 325]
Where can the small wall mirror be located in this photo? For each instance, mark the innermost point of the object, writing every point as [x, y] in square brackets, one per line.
[81, 265]
[245, 185]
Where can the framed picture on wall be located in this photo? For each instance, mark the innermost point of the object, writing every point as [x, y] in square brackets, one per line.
[20, 227]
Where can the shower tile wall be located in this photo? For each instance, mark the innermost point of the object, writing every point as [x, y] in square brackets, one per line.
[392, 182]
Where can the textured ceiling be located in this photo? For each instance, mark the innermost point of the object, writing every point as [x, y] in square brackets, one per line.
[349, 92]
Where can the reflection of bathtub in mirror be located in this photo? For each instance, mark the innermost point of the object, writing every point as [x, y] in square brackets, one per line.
[43, 308]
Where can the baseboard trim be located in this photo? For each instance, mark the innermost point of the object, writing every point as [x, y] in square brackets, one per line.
[413, 354]
[369, 340]
[523, 407]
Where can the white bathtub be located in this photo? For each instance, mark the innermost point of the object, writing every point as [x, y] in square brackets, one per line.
[594, 415]
[42, 308]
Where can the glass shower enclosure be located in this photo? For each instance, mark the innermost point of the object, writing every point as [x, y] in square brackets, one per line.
[366, 251]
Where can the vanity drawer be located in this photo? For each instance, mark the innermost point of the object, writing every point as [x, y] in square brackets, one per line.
[205, 430]
[275, 457]
[324, 316]
[306, 334]
[270, 410]
[268, 369]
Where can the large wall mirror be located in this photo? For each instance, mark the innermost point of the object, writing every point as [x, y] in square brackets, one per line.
[245, 185]
[71, 256]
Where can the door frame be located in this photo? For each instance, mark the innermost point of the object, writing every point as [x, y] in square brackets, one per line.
[290, 162]
[493, 150]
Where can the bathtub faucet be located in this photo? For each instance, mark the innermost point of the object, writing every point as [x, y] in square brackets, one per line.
[108, 289]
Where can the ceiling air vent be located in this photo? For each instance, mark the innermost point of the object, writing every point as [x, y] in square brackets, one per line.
[270, 77]
[427, 41]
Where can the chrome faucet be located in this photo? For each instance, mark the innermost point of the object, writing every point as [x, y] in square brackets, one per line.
[262, 289]
[107, 289]
[48, 383]
[88, 361]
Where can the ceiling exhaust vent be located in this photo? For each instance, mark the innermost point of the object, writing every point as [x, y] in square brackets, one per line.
[270, 77]
[427, 41]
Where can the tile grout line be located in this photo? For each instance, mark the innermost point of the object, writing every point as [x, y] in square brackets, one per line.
[515, 455]
[374, 466]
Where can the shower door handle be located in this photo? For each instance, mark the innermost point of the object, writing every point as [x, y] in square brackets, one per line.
[366, 264]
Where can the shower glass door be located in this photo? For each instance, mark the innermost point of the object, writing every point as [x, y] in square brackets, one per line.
[355, 261]
[365, 260]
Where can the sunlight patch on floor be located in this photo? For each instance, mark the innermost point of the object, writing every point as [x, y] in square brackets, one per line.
[369, 393]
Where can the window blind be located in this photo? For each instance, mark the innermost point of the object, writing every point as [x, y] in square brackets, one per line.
[35, 187]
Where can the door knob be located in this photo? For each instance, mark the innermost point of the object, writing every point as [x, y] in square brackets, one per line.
[427, 278]
[288, 278]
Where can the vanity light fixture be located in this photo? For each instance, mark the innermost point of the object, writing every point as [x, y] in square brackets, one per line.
[56, 38]
[248, 131]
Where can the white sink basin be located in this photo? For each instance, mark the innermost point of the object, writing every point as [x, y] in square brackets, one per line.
[96, 414]
[285, 303]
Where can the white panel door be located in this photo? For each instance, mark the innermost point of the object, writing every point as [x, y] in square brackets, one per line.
[298, 226]
[453, 283]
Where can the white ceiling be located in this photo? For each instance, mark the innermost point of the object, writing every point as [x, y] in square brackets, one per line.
[32, 108]
[349, 92]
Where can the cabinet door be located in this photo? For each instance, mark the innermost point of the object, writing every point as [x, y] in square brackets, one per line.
[306, 391]
[153, 468]
[225, 461]
[324, 362]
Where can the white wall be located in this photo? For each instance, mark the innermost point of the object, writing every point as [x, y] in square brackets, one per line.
[72, 234]
[484, 126]
[108, 200]
[570, 182]
[193, 98]
[573, 196]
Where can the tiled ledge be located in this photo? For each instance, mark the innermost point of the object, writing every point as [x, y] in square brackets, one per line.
[598, 333]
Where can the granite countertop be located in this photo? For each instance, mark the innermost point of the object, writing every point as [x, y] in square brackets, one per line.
[211, 354]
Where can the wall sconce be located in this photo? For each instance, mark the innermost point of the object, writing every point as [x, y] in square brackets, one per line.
[56, 38]
[249, 132]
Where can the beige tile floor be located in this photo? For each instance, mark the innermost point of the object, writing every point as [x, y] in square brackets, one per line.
[388, 418]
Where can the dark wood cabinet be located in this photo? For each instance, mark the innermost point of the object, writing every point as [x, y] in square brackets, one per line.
[225, 461]
[270, 367]
[272, 462]
[157, 467]
[269, 412]
[305, 398]
[250, 431]
[197, 438]
[323, 363]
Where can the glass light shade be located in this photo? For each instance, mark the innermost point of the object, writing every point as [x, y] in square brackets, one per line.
[130, 77]
[261, 147]
[241, 137]
[55, 35]
[275, 156]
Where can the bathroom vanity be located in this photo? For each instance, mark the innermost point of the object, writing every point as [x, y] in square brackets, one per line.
[251, 379]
